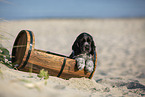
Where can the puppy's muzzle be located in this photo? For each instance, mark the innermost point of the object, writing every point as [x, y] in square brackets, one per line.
[87, 47]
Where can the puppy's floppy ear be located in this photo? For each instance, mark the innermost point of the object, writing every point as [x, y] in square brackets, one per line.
[93, 47]
[75, 46]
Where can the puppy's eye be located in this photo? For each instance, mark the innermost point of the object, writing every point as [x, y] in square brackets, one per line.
[88, 40]
[83, 40]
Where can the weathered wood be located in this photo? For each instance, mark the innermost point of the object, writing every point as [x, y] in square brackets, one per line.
[24, 54]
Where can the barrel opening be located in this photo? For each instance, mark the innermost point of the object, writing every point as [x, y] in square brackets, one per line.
[19, 48]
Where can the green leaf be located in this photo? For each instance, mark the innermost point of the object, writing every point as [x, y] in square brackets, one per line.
[5, 52]
[5, 57]
[43, 74]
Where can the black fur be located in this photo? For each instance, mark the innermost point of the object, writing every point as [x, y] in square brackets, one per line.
[79, 45]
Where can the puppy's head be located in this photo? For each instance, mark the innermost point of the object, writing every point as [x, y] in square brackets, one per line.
[84, 44]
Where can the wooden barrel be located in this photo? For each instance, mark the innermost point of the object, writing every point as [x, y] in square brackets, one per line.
[24, 57]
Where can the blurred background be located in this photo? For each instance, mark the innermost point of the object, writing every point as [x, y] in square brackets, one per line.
[34, 9]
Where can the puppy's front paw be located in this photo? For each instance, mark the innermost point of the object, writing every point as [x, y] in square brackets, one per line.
[89, 65]
[80, 63]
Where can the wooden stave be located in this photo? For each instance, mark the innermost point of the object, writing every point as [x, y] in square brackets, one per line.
[66, 74]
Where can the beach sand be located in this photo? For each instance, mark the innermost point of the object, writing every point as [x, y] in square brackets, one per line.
[121, 58]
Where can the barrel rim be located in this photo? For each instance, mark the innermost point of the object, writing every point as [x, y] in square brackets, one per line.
[30, 42]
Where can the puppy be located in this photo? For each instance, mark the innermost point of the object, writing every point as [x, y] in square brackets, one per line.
[83, 51]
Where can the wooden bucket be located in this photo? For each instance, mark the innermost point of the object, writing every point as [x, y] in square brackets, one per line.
[24, 55]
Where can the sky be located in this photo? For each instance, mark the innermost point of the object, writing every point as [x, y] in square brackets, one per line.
[29, 9]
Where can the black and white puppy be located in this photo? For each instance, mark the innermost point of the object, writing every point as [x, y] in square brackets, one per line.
[83, 51]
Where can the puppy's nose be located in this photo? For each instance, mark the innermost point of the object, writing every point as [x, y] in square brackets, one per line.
[87, 46]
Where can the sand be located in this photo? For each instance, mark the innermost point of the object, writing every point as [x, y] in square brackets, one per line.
[121, 58]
